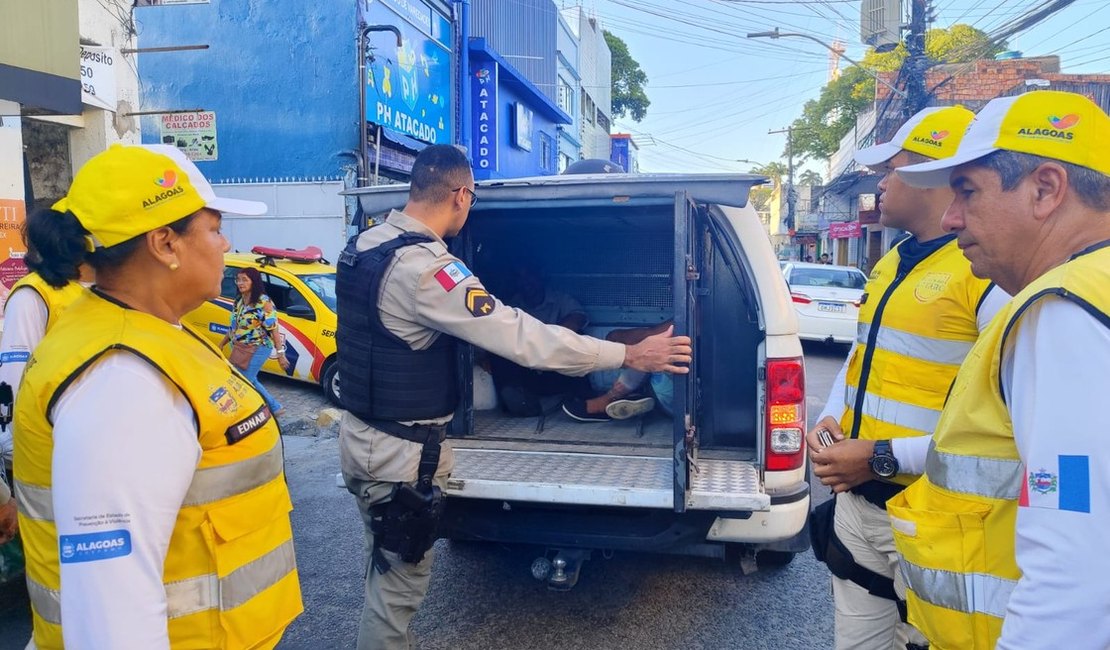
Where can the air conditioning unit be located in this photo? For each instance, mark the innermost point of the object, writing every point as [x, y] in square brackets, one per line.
[880, 22]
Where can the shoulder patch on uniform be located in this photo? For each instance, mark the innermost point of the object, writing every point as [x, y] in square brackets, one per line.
[451, 275]
[479, 302]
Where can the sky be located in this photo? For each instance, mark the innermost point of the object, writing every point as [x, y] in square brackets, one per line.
[715, 94]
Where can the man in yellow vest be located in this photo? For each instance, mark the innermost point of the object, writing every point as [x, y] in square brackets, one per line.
[1003, 539]
[920, 314]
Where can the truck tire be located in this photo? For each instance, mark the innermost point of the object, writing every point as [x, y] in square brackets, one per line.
[329, 381]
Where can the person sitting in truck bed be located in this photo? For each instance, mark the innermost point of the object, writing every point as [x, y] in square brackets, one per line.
[624, 395]
[520, 388]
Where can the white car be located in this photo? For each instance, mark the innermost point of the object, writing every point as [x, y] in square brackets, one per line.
[827, 300]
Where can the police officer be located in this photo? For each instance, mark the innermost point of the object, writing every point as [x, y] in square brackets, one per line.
[922, 310]
[1004, 538]
[404, 301]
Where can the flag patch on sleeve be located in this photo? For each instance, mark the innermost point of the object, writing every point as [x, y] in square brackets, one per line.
[1061, 485]
[452, 275]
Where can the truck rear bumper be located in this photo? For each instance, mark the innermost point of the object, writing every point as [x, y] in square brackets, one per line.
[782, 521]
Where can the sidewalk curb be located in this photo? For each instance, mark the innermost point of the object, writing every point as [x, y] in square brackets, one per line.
[323, 423]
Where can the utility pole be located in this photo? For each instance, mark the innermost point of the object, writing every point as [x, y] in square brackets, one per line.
[916, 63]
[789, 131]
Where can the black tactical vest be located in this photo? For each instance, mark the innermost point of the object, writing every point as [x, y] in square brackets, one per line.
[381, 377]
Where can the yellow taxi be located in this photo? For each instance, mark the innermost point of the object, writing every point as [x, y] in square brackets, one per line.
[301, 284]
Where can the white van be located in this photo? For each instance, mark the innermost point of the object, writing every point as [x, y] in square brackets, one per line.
[726, 474]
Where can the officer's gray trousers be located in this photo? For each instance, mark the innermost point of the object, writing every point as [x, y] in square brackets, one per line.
[391, 599]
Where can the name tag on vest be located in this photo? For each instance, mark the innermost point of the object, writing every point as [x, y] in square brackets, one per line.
[244, 428]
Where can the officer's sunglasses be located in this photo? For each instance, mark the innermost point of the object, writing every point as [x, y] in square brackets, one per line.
[473, 196]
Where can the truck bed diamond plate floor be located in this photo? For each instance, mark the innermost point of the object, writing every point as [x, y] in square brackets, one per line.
[597, 479]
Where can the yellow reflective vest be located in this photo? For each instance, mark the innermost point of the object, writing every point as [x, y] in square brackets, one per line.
[56, 299]
[955, 527]
[230, 573]
[914, 331]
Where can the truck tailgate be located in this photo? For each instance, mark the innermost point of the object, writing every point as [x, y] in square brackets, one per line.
[603, 480]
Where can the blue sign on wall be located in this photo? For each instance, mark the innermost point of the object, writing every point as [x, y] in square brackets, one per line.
[619, 152]
[408, 88]
[483, 88]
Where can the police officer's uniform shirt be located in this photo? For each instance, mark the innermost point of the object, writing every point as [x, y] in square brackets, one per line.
[427, 291]
[1054, 378]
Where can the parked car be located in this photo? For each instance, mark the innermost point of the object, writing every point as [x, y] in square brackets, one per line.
[826, 299]
[302, 286]
[725, 475]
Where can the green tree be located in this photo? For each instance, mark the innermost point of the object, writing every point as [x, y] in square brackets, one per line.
[628, 80]
[809, 177]
[761, 194]
[826, 119]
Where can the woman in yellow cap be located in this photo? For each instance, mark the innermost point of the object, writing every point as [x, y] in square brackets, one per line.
[30, 308]
[153, 505]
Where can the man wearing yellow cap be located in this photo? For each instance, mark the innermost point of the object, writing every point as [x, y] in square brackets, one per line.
[1003, 539]
[921, 311]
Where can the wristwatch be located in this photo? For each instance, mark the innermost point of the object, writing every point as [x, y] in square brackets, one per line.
[882, 462]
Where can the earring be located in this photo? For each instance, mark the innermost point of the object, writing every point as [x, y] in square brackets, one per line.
[173, 266]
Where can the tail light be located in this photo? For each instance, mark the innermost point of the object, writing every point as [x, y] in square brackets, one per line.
[786, 413]
[800, 298]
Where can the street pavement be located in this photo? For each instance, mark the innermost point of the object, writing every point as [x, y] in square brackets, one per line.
[483, 596]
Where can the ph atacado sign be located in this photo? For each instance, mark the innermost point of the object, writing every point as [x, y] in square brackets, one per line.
[194, 133]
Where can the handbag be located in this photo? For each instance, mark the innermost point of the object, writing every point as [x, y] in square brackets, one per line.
[241, 354]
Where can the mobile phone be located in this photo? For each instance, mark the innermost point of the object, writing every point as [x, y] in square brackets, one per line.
[825, 437]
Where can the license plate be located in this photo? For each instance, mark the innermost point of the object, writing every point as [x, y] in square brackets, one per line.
[835, 307]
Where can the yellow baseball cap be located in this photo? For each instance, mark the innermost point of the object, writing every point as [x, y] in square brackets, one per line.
[1063, 126]
[129, 190]
[933, 132]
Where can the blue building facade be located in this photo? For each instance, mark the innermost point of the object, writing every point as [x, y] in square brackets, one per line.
[281, 80]
[276, 95]
[514, 118]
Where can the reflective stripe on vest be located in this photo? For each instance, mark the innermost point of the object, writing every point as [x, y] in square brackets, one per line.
[994, 478]
[197, 594]
[34, 501]
[209, 484]
[908, 416]
[925, 348]
[222, 481]
[970, 593]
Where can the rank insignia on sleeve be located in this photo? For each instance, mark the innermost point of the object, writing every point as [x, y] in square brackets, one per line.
[451, 275]
[479, 302]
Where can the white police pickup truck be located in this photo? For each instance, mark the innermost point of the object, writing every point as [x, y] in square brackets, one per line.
[725, 475]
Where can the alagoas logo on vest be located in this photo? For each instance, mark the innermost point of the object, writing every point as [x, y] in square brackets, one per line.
[930, 287]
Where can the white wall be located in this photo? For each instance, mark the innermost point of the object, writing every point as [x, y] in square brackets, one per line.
[595, 69]
[104, 22]
[299, 215]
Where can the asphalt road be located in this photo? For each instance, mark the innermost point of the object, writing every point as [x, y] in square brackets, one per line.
[484, 597]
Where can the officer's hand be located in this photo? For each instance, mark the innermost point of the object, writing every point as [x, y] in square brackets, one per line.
[9, 521]
[843, 465]
[828, 423]
[661, 352]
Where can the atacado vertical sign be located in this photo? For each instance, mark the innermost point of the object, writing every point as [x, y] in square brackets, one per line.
[483, 85]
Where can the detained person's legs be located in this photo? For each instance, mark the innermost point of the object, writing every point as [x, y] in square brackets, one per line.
[621, 401]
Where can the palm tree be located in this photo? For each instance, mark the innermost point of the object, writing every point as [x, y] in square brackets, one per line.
[810, 177]
[774, 170]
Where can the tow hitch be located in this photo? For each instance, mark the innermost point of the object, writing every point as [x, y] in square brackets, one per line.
[560, 571]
